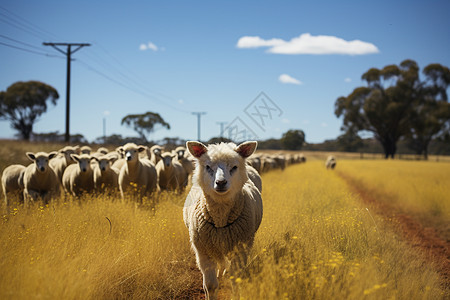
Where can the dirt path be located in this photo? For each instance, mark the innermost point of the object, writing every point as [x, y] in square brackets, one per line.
[426, 239]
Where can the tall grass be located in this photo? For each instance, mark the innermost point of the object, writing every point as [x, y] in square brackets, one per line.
[316, 241]
[418, 188]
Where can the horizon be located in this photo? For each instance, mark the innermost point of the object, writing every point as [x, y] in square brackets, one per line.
[261, 67]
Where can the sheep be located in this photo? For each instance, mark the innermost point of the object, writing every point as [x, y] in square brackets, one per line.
[39, 179]
[78, 178]
[255, 162]
[85, 150]
[280, 161]
[103, 150]
[154, 153]
[12, 181]
[138, 172]
[60, 163]
[118, 164]
[171, 174]
[223, 210]
[331, 162]
[105, 176]
[254, 176]
[187, 161]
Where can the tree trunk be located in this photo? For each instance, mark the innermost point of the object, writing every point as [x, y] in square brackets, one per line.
[389, 147]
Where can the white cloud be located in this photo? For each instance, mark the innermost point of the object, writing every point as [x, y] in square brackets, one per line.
[324, 124]
[308, 44]
[148, 46]
[285, 121]
[285, 78]
[256, 42]
[348, 79]
[181, 101]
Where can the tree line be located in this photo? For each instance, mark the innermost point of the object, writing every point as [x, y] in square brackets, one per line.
[396, 104]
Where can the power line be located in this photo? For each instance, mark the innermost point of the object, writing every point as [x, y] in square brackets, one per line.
[25, 25]
[30, 51]
[19, 42]
[137, 91]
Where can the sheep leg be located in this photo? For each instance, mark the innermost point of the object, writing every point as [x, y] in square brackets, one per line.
[208, 268]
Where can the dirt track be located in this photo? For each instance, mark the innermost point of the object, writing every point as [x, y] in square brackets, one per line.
[427, 239]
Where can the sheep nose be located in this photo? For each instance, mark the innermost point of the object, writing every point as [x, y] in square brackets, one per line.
[42, 169]
[84, 169]
[221, 183]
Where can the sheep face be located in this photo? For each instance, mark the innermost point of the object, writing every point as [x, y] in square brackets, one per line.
[41, 159]
[83, 160]
[131, 152]
[104, 163]
[68, 151]
[221, 167]
[167, 159]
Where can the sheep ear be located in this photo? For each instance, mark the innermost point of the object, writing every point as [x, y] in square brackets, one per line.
[246, 149]
[75, 157]
[197, 149]
[141, 148]
[31, 156]
[52, 154]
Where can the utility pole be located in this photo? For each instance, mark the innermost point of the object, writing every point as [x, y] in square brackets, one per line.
[222, 124]
[199, 115]
[68, 54]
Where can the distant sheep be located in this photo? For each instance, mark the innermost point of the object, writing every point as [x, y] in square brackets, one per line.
[254, 176]
[105, 176]
[118, 164]
[187, 161]
[331, 162]
[12, 181]
[154, 153]
[138, 172]
[85, 150]
[60, 163]
[79, 178]
[39, 180]
[171, 174]
[223, 210]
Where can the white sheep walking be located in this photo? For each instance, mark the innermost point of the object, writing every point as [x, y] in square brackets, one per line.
[39, 180]
[12, 181]
[171, 175]
[60, 163]
[79, 178]
[105, 176]
[137, 175]
[223, 210]
[331, 162]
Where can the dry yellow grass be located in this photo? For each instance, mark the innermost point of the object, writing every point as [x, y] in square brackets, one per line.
[418, 188]
[316, 241]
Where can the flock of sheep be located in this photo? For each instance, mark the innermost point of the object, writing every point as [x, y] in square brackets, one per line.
[223, 209]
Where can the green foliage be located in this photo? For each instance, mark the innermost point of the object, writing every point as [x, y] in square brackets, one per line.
[293, 139]
[397, 103]
[23, 102]
[144, 123]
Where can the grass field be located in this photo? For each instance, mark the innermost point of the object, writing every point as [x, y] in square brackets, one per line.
[319, 239]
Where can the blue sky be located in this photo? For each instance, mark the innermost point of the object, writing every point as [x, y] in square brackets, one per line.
[179, 57]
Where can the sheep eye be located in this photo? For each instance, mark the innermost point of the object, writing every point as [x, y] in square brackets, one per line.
[233, 169]
[208, 168]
